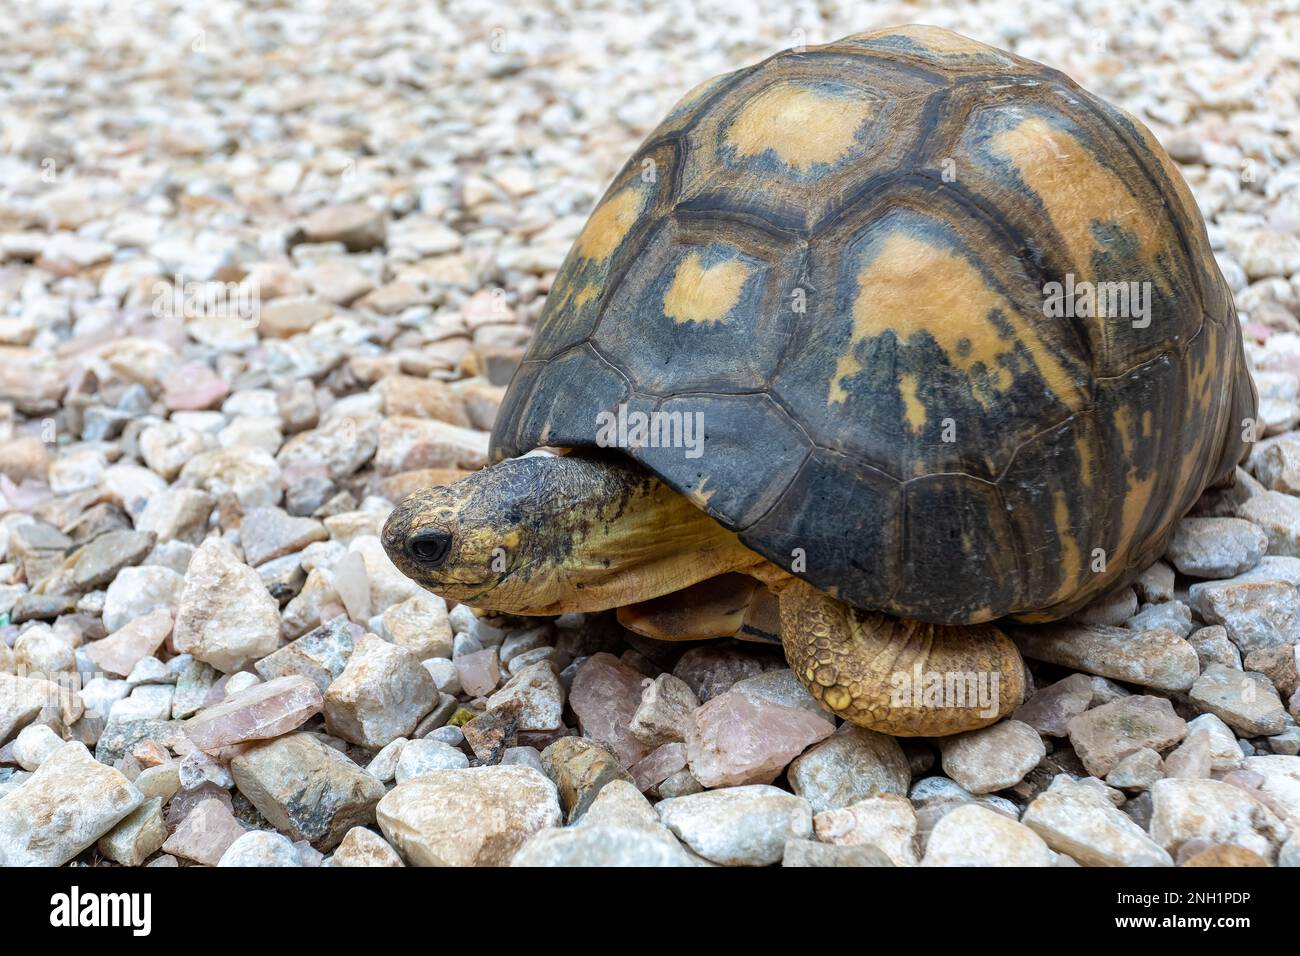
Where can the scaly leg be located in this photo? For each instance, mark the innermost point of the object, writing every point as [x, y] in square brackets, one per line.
[900, 677]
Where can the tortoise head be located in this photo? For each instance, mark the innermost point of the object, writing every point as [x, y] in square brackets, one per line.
[463, 540]
[546, 535]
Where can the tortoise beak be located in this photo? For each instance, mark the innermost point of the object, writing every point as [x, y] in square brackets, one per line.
[396, 531]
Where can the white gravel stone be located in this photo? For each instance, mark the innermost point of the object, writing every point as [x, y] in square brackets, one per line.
[398, 217]
[847, 766]
[444, 673]
[886, 822]
[362, 847]
[380, 696]
[475, 817]
[604, 845]
[138, 836]
[225, 617]
[68, 804]
[34, 744]
[974, 836]
[1214, 812]
[261, 848]
[539, 695]
[1244, 700]
[421, 756]
[1216, 547]
[1157, 658]
[1077, 818]
[383, 766]
[137, 591]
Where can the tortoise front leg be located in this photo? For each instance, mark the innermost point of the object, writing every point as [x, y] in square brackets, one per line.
[900, 677]
[729, 605]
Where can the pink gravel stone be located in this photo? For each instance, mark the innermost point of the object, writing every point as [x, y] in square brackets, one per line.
[660, 764]
[193, 387]
[735, 739]
[184, 802]
[711, 669]
[1050, 709]
[127, 646]
[205, 833]
[259, 713]
[605, 696]
[479, 672]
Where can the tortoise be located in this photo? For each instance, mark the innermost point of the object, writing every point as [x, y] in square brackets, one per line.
[958, 346]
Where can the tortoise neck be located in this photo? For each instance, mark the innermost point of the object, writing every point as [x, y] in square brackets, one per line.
[607, 533]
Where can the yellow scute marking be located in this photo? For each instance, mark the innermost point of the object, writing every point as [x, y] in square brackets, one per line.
[586, 295]
[913, 408]
[913, 287]
[701, 293]
[1071, 555]
[1138, 491]
[1083, 448]
[610, 223]
[934, 39]
[1076, 190]
[700, 495]
[1201, 390]
[697, 92]
[802, 126]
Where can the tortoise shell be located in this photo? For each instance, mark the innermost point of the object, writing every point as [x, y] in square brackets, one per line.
[842, 258]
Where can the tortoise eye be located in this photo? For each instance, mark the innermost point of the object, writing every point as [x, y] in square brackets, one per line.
[429, 548]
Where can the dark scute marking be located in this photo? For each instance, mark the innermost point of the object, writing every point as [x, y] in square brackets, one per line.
[941, 60]
[832, 56]
[1151, 398]
[751, 453]
[1244, 406]
[570, 392]
[997, 184]
[1047, 469]
[845, 519]
[870, 423]
[564, 323]
[507, 441]
[758, 188]
[959, 557]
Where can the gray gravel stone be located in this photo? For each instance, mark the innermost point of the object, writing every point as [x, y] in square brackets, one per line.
[738, 826]
[1246, 701]
[1216, 547]
[850, 764]
[305, 789]
[992, 758]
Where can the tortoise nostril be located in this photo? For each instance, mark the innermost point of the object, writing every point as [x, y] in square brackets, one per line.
[429, 548]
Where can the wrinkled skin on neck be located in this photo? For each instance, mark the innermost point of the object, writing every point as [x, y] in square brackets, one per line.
[548, 535]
